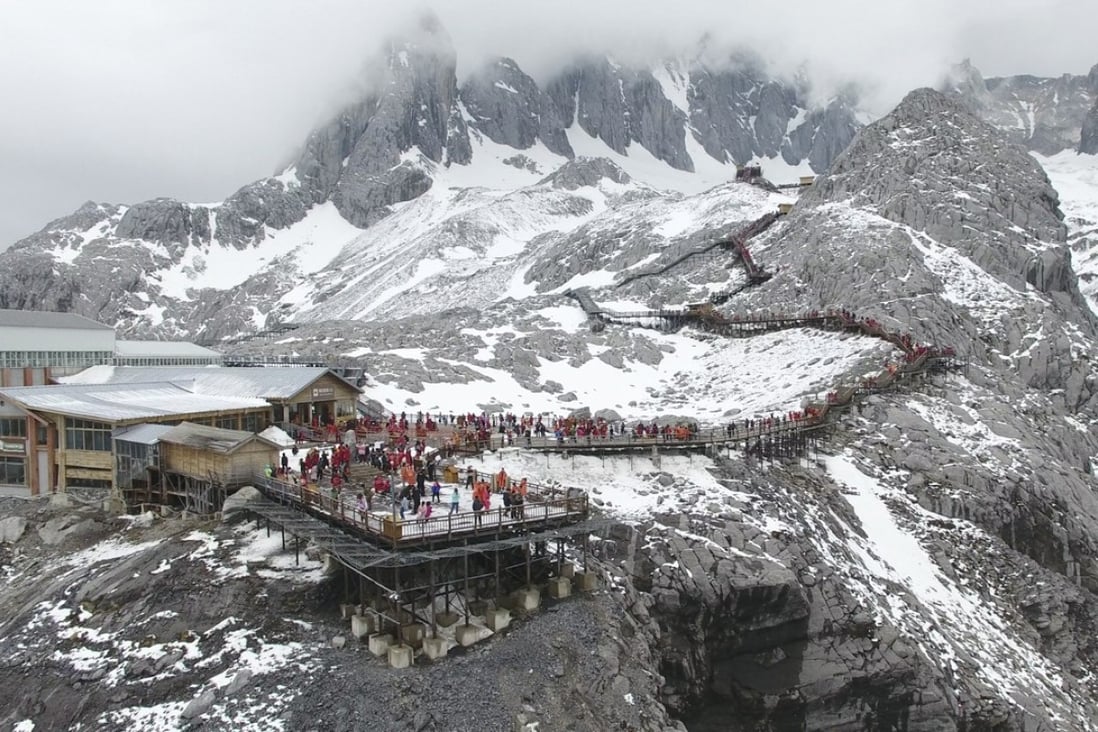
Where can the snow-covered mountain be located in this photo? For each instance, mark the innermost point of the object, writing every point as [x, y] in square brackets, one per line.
[277, 245]
[934, 567]
[940, 565]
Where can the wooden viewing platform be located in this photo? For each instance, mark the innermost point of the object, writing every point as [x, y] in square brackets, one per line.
[544, 508]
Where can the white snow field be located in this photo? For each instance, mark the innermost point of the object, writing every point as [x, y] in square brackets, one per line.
[1075, 178]
[711, 380]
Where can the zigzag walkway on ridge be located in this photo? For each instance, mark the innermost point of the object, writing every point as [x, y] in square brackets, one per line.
[755, 273]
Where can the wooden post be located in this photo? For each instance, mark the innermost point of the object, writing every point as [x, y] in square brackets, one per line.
[396, 603]
[465, 558]
[434, 622]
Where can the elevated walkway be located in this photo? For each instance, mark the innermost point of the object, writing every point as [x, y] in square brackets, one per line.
[782, 435]
[583, 297]
[737, 245]
[544, 509]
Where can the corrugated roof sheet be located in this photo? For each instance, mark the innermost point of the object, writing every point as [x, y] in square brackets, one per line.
[268, 383]
[141, 434]
[213, 439]
[46, 319]
[163, 349]
[124, 402]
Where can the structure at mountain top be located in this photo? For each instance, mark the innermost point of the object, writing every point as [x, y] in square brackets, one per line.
[1044, 114]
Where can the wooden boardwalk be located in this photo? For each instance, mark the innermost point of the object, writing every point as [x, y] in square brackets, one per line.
[544, 508]
[737, 244]
[778, 437]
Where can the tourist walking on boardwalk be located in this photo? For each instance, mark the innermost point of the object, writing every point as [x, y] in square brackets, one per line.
[403, 506]
[436, 491]
[478, 506]
[455, 501]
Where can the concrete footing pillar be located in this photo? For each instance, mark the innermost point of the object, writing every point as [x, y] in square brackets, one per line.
[363, 625]
[527, 599]
[435, 648]
[498, 619]
[586, 581]
[560, 587]
[379, 643]
[413, 634]
[401, 656]
[568, 570]
[467, 635]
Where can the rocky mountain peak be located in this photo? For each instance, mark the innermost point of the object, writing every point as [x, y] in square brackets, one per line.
[355, 160]
[965, 79]
[933, 165]
[620, 106]
[585, 171]
[1045, 114]
[932, 141]
[1088, 135]
[507, 106]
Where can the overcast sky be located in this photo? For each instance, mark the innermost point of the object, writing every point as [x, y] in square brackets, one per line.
[125, 100]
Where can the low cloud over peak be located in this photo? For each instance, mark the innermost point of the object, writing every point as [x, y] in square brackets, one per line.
[122, 100]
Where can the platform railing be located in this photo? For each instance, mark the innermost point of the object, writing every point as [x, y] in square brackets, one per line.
[543, 507]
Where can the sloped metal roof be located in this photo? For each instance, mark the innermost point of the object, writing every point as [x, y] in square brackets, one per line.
[124, 402]
[267, 383]
[141, 434]
[163, 349]
[213, 439]
[46, 319]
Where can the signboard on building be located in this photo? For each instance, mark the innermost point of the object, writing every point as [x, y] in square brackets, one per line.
[12, 446]
[324, 392]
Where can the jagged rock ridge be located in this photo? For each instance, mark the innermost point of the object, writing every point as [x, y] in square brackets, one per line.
[146, 266]
[1047, 115]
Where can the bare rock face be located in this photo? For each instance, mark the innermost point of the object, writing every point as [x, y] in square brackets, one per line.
[1088, 135]
[585, 172]
[822, 136]
[740, 114]
[358, 154]
[1044, 114]
[507, 106]
[620, 106]
[907, 165]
